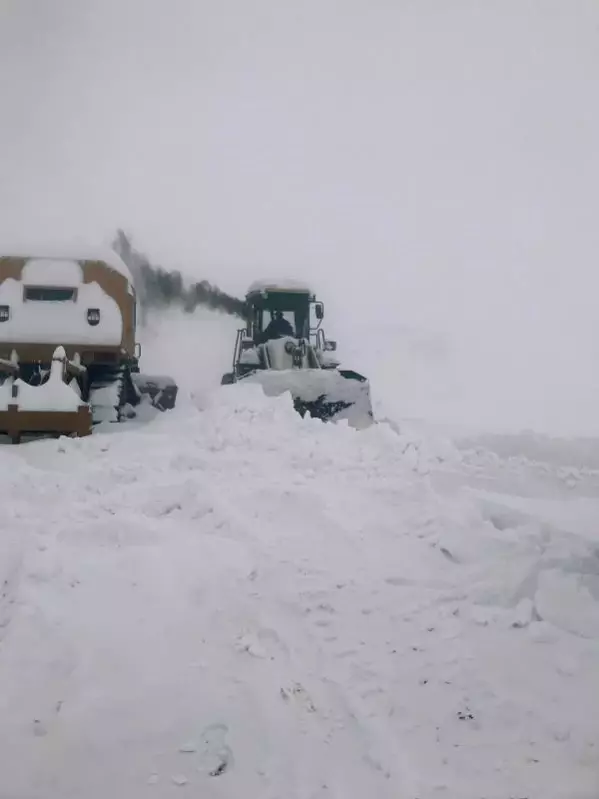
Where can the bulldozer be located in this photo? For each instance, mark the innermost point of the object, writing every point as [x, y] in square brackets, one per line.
[68, 353]
[284, 348]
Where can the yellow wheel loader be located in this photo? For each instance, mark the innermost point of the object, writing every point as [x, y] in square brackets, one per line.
[284, 348]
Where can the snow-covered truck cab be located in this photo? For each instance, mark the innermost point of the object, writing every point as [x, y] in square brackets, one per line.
[284, 348]
[67, 344]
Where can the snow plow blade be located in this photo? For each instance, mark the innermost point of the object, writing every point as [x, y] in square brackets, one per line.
[329, 395]
[160, 390]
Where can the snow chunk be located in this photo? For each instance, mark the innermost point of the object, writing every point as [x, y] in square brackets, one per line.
[566, 602]
[311, 384]
[327, 359]
[523, 613]
[250, 357]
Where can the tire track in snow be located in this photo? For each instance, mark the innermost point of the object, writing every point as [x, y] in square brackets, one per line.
[334, 749]
[10, 578]
[315, 642]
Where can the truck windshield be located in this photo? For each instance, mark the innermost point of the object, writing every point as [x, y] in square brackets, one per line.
[48, 294]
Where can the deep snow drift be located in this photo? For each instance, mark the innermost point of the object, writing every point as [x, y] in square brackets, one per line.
[231, 601]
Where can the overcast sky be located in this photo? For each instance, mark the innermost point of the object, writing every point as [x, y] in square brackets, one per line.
[445, 151]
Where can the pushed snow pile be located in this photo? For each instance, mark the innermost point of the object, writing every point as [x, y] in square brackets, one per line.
[309, 385]
[237, 602]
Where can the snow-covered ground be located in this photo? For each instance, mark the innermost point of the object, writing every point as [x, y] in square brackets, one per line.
[230, 601]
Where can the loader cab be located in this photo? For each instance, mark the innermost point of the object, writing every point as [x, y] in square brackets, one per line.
[302, 364]
[299, 307]
[295, 302]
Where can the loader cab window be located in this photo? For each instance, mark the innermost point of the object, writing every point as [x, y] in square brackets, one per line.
[275, 324]
[48, 294]
[268, 316]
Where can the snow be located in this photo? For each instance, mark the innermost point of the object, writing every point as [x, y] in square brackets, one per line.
[250, 357]
[279, 284]
[312, 384]
[232, 600]
[52, 272]
[67, 252]
[327, 359]
[60, 322]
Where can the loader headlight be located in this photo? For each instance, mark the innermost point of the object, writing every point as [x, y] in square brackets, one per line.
[93, 316]
[4, 313]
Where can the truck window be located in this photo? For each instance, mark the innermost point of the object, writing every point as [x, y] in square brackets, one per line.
[48, 294]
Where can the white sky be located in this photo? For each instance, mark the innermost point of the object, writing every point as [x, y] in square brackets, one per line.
[444, 151]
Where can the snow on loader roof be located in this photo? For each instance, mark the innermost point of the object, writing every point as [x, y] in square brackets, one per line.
[259, 286]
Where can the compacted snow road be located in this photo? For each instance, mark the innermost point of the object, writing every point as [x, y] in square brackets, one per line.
[230, 601]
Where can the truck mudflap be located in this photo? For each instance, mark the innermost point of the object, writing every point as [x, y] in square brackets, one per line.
[331, 395]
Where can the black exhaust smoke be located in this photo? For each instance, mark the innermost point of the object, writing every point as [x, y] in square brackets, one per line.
[161, 288]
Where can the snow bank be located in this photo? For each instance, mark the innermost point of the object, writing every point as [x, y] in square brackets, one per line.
[234, 599]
